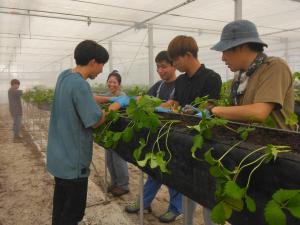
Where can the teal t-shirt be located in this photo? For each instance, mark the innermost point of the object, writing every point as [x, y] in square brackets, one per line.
[70, 137]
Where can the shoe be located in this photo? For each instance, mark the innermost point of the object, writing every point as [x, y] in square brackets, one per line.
[118, 191]
[109, 188]
[17, 139]
[134, 207]
[169, 217]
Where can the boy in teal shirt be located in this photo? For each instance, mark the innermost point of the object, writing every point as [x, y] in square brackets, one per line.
[70, 140]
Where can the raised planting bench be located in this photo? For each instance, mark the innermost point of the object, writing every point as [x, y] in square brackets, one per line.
[192, 178]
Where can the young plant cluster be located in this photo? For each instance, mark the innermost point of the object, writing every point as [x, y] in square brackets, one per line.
[141, 115]
[39, 95]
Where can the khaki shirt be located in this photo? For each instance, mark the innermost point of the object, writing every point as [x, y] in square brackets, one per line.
[272, 82]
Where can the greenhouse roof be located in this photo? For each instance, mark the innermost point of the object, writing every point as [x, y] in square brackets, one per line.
[37, 37]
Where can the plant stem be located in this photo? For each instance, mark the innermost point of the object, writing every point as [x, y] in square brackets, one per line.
[250, 175]
[231, 129]
[166, 142]
[229, 150]
[251, 153]
[158, 137]
[249, 164]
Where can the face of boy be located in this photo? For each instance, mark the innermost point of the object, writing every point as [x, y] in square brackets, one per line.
[165, 70]
[96, 68]
[15, 86]
[180, 63]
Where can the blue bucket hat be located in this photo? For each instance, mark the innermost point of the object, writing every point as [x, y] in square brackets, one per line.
[236, 33]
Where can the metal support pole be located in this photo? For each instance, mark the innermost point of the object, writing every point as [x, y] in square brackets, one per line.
[141, 194]
[110, 52]
[105, 174]
[286, 49]
[188, 210]
[71, 62]
[150, 54]
[238, 9]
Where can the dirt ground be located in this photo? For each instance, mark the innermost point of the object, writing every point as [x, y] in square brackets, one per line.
[26, 188]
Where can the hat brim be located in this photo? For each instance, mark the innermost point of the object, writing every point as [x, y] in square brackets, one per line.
[224, 45]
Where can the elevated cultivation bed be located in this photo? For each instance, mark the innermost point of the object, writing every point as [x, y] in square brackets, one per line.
[191, 177]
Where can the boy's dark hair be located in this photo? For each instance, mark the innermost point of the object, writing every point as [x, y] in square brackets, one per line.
[116, 74]
[181, 45]
[87, 50]
[163, 56]
[14, 81]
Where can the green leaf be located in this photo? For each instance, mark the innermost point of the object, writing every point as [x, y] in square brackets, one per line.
[274, 214]
[235, 204]
[244, 131]
[138, 151]
[269, 122]
[195, 127]
[292, 119]
[294, 206]
[282, 195]
[161, 162]
[250, 203]
[153, 161]
[215, 171]
[142, 163]
[207, 133]
[218, 214]
[197, 143]
[117, 136]
[227, 210]
[232, 190]
[128, 134]
[209, 158]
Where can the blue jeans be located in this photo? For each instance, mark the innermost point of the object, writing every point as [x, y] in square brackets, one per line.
[151, 188]
[17, 121]
[118, 169]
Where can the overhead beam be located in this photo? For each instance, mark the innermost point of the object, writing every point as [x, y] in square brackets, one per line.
[150, 54]
[132, 27]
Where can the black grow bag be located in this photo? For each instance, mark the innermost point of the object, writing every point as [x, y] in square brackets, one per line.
[191, 177]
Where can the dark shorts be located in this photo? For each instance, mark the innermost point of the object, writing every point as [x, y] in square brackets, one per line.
[69, 201]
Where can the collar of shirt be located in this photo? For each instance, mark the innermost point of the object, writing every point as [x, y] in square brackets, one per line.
[199, 72]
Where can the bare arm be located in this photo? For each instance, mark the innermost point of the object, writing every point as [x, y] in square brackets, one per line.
[257, 112]
[101, 99]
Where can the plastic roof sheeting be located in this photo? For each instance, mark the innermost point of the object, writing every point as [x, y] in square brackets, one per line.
[37, 37]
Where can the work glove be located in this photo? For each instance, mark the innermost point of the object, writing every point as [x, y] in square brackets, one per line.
[122, 100]
[189, 109]
[162, 109]
[205, 112]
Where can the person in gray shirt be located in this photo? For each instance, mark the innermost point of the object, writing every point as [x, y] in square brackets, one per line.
[15, 107]
[117, 166]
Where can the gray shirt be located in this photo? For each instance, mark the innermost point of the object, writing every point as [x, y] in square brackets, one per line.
[110, 94]
[14, 99]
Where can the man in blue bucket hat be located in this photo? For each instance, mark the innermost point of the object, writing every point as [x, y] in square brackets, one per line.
[263, 86]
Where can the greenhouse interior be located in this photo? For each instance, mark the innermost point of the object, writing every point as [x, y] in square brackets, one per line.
[149, 112]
